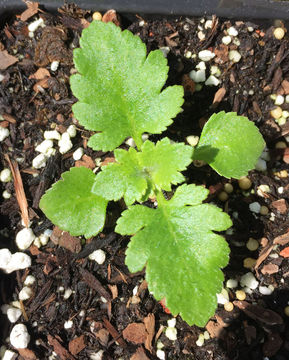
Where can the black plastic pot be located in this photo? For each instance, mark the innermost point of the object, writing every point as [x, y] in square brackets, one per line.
[239, 9]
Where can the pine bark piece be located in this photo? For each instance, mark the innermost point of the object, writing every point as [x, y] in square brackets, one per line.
[94, 284]
[6, 60]
[59, 349]
[135, 333]
[114, 333]
[76, 345]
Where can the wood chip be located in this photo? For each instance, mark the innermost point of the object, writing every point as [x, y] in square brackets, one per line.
[27, 354]
[19, 190]
[114, 291]
[40, 74]
[285, 86]
[76, 345]
[263, 255]
[114, 333]
[102, 335]
[280, 205]
[285, 252]
[282, 239]
[135, 333]
[9, 118]
[65, 240]
[41, 84]
[149, 322]
[94, 284]
[111, 16]
[85, 161]
[6, 60]
[256, 312]
[59, 349]
[270, 269]
[107, 161]
[32, 9]
[219, 95]
[215, 329]
[139, 355]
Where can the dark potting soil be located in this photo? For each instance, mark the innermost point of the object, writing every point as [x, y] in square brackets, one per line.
[110, 309]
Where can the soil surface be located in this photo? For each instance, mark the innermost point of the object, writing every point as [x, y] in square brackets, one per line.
[82, 310]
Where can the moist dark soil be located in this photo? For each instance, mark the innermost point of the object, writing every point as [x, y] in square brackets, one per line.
[106, 299]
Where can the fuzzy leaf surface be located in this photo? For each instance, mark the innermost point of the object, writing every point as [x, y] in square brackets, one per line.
[71, 205]
[119, 87]
[182, 253]
[230, 144]
[134, 172]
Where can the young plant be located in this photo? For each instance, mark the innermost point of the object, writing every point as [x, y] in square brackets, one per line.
[120, 95]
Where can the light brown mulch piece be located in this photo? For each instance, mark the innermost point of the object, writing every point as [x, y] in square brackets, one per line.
[59, 349]
[65, 240]
[282, 239]
[272, 344]
[76, 345]
[285, 86]
[270, 269]
[27, 354]
[266, 316]
[94, 284]
[41, 84]
[285, 129]
[135, 333]
[102, 335]
[32, 9]
[85, 161]
[280, 205]
[149, 322]
[219, 95]
[114, 333]
[6, 60]
[40, 74]
[111, 16]
[19, 190]
[107, 161]
[114, 291]
[9, 118]
[215, 329]
[139, 355]
[263, 255]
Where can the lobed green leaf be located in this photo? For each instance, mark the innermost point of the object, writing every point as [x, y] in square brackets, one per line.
[135, 173]
[182, 253]
[71, 205]
[119, 87]
[230, 144]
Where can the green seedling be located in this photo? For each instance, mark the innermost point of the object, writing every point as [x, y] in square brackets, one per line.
[120, 95]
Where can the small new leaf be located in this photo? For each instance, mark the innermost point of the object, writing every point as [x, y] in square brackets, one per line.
[182, 253]
[230, 144]
[119, 87]
[134, 173]
[72, 206]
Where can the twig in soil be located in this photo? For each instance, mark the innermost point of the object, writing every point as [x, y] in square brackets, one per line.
[42, 293]
[94, 284]
[19, 190]
[114, 333]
